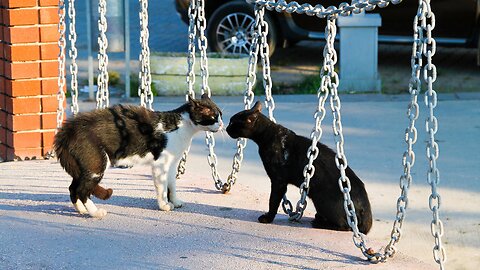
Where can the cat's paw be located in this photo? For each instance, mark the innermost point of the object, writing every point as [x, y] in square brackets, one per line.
[266, 218]
[100, 213]
[177, 203]
[166, 206]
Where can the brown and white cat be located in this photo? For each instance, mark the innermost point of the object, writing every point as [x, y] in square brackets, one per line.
[283, 154]
[127, 135]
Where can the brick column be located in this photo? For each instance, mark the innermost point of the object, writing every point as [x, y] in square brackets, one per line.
[28, 77]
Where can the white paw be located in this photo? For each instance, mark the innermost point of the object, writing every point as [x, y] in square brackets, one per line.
[80, 207]
[166, 206]
[177, 203]
[100, 213]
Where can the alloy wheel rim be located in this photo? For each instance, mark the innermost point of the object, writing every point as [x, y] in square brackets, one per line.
[233, 33]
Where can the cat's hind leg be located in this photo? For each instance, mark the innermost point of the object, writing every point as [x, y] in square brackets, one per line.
[320, 222]
[87, 185]
[74, 198]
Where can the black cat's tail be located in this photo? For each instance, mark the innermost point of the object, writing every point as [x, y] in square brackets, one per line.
[365, 219]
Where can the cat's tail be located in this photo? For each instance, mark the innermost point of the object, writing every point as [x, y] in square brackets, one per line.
[62, 143]
[102, 193]
[365, 219]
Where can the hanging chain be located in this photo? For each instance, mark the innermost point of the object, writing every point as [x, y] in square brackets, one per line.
[202, 45]
[192, 33]
[343, 9]
[102, 79]
[145, 77]
[328, 78]
[73, 56]
[262, 28]
[431, 126]
[61, 64]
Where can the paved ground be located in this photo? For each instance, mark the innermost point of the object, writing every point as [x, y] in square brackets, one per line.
[218, 231]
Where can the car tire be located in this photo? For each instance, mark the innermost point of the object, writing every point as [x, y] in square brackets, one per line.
[227, 30]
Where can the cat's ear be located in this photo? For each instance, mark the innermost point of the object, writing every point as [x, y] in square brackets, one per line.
[257, 107]
[192, 101]
[205, 96]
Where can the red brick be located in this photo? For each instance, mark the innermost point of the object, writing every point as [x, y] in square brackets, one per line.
[49, 104]
[22, 88]
[20, 16]
[2, 55]
[49, 51]
[3, 151]
[46, 3]
[50, 86]
[49, 33]
[47, 140]
[2, 67]
[23, 52]
[2, 84]
[49, 15]
[49, 121]
[3, 102]
[22, 70]
[18, 140]
[3, 136]
[23, 105]
[21, 34]
[24, 153]
[23, 122]
[20, 3]
[49, 69]
[3, 119]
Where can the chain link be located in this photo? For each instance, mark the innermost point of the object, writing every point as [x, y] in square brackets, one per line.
[343, 9]
[145, 77]
[61, 64]
[102, 79]
[262, 27]
[73, 56]
[431, 125]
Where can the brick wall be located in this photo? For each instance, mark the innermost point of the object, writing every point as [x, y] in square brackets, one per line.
[28, 77]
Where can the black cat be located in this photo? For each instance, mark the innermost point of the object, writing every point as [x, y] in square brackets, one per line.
[283, 154]
[128, 135]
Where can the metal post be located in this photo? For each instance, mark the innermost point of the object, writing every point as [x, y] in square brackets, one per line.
[89, 51]
[127, 49]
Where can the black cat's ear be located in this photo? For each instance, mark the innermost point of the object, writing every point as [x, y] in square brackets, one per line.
[257, 107]
[205, 96]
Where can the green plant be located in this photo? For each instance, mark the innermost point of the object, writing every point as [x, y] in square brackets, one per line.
[135, 83]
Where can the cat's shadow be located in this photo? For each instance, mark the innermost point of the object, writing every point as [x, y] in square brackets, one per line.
[59, 204]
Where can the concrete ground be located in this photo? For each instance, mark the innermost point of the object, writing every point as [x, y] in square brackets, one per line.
[39, 228]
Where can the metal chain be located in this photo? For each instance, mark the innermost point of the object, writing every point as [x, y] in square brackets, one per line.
[102, 79]
[192, 33]
[262, 28]
[328, 78]
[343, 9]
[431, 126]
[73, 56]
[61, 64]
[145, 77]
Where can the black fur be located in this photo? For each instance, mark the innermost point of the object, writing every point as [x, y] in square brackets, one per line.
[84, 142]
[283, 154]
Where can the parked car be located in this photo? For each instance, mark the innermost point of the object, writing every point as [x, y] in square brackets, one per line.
[229, 21]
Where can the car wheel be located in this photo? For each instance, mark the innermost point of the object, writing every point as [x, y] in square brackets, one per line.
[229, 29]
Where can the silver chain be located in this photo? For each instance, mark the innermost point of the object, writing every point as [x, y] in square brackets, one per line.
[192, 33]
[262, 28]
[61, 63]
[431, 126]
[343, 9]
[145, 77]
[73, 56]
[102, 79]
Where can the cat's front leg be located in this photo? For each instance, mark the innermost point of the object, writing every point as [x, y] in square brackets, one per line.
[172, 189]
[161, 185]
[276, 195]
